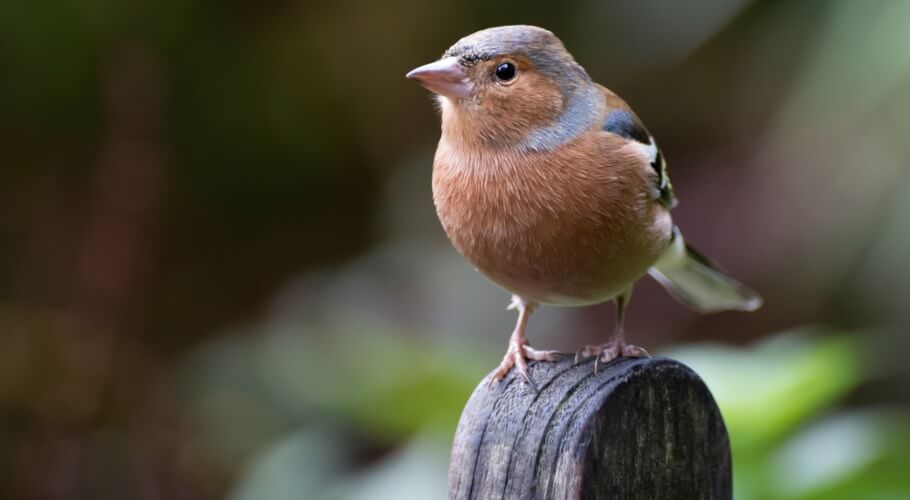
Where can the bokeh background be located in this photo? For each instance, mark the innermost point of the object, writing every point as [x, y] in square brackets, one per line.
[221, 275]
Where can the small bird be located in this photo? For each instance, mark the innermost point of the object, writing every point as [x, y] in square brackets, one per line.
[552, 187]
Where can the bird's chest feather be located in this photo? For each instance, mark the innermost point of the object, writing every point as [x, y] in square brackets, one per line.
[569, 225]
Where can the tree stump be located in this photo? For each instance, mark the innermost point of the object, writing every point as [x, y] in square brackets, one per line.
[637, 429]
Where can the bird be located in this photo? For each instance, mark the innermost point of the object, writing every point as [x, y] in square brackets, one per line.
[551, 186]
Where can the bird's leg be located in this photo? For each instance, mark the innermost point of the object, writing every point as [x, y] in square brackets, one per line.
[519, 351]
[617, 345]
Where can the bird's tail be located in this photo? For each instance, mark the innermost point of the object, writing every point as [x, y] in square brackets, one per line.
[695, 281]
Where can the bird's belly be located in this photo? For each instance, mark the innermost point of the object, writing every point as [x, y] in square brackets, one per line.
[560, 272]
[559, 257]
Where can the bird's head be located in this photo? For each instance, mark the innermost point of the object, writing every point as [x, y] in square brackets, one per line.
[508, 85]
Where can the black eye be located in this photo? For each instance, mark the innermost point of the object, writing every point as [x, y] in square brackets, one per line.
[505, 71]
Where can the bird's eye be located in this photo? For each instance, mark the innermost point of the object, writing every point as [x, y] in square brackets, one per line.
[505, 71]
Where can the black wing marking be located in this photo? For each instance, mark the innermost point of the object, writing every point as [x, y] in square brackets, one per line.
[625, 124]
[659, 164]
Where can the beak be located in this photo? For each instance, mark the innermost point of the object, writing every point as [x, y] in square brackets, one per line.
[445, 77]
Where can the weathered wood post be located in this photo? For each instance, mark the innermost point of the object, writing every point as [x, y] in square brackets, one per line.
[636, 429]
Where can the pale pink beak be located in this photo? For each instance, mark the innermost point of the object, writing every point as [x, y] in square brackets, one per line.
[445, 77]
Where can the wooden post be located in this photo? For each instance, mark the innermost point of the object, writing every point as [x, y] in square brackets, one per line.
[636, 429]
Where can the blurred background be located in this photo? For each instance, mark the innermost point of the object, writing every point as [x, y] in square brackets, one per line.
[221, 275]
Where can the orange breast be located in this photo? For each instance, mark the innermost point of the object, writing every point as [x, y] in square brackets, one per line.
[572, 226]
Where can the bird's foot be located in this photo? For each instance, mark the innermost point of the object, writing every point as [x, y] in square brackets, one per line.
[517, 356]
[609, 351]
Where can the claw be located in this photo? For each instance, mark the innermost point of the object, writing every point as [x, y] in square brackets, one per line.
[521, 364]
[578, 355]
[517, 356]
[526, 376]
[606, 353]
[633, 351]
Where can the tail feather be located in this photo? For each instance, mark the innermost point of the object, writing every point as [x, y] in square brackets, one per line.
[697, 282]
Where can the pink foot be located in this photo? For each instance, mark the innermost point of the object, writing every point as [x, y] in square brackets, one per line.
[517, 355]
[609, 351]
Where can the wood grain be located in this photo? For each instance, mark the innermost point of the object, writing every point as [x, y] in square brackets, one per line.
[636, 429]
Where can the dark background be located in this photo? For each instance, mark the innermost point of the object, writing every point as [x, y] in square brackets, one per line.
[221, 275]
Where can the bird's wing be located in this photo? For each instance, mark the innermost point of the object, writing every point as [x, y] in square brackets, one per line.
[619, 119]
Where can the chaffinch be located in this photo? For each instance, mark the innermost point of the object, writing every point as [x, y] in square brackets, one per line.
[552, 187]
